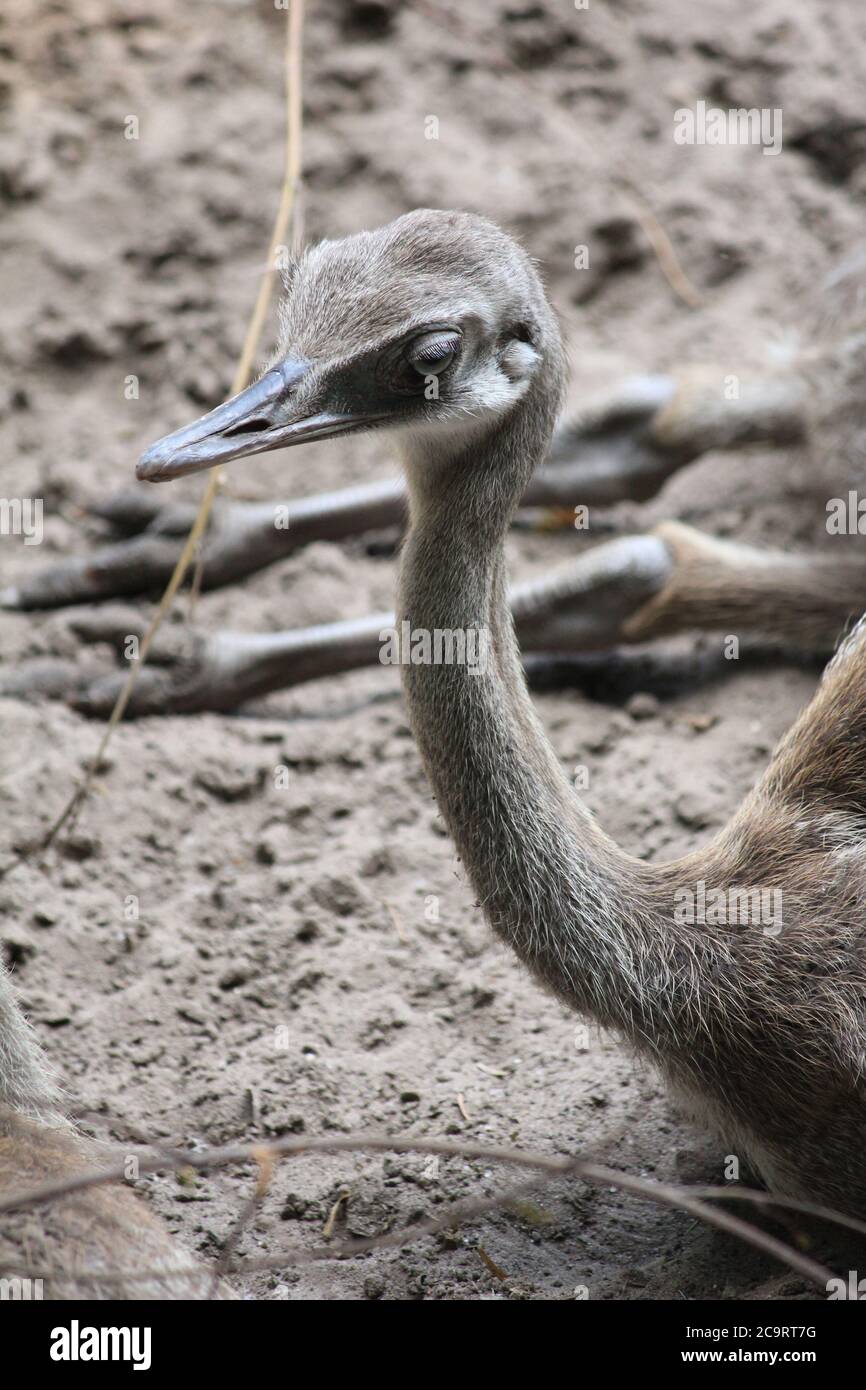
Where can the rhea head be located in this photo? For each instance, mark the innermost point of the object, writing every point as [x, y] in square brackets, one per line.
[436, 325]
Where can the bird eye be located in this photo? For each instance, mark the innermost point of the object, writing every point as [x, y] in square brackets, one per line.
[432, 353]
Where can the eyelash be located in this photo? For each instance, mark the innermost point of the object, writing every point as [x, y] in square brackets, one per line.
[406, 377]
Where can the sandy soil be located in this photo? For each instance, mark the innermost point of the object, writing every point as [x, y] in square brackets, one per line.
[308, 958]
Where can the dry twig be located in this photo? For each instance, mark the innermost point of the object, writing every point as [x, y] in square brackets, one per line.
[543, 1166]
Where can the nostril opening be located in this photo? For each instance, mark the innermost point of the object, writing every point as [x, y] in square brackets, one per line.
[247, 427]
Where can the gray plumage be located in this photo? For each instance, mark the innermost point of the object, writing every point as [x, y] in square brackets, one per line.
[760, 1027]
[762, 1034]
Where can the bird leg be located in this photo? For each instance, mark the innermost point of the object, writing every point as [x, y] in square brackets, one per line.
[722, 586]
[623, 592]
[622, 448]
[189, 670]
[626, 445]
[678, 579]
[582, 607]
[243, 537]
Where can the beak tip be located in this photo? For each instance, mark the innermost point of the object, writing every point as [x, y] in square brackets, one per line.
[152, 466]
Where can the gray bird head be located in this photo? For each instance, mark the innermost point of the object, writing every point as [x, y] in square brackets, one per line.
[434, 325]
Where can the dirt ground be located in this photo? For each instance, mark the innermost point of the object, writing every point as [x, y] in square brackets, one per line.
[307, 958]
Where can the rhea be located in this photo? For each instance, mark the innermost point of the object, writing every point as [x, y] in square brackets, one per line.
[437, 326]
[89, 1243]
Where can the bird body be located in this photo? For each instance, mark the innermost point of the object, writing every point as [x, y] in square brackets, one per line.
[79, 1242]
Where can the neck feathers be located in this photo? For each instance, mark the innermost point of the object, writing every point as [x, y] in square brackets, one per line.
[551, 884]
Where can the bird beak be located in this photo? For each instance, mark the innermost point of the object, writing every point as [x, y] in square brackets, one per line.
[273, 413]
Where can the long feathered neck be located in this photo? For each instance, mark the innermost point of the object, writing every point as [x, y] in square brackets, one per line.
[551, 884]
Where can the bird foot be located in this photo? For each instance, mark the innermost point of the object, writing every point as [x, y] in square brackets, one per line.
[143, 561]
[180, 673]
